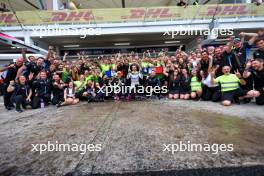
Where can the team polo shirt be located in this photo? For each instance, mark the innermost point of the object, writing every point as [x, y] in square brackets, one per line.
[228, 82]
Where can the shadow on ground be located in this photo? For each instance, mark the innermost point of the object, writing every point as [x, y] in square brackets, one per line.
[226, 171]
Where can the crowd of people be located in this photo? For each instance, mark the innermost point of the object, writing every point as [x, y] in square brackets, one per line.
[229, 73]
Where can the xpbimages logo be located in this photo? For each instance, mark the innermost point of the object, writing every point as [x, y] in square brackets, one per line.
[59, 147]
[138, 89]
[194, 147]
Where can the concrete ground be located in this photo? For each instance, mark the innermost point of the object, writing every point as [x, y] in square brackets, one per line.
[132, 135]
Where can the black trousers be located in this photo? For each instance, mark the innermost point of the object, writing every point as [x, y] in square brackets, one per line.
[36, 100]
[57, 98]
[7, 96]
[260, 99]
[211, 93]
[20, 100]
[79, 95]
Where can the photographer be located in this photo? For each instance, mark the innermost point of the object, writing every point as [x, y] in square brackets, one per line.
[21, 93]
[255, 69]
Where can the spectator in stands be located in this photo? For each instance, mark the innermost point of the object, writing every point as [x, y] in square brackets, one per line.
[257, 2]
[182, 3]
[3, 7]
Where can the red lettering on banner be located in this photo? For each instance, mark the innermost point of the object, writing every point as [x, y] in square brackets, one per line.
[150, 13]
[242, 10]
[72, 16]
[88, 16]
[229, 10]
[7, 18]
[137, 13]
[165, 13]
[154, 13]
[10, 19]
[2, 17]
[59, 16]
[211, 11]
[75, 16]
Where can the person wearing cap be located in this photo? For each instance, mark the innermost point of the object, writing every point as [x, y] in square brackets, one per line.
[229, 57]
[242, 48]
[11, 75]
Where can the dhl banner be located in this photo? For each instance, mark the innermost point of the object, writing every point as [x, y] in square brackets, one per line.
[129, 14]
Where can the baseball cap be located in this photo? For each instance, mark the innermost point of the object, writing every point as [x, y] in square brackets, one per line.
[236, 40]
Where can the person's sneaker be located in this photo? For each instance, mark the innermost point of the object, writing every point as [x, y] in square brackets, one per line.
[128, 98]
[246, 100]
[59, 104]
[117, 98]
[8, 108]
[236, 100]
[19, 110]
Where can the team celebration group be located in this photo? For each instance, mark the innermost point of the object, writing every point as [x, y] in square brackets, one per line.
[230, 73]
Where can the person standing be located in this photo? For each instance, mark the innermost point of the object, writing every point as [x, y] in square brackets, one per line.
[11, 75]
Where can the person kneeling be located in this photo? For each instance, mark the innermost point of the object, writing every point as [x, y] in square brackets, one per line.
[21, 93]
[89, 93]
[229, 85]
[69, 96]
[196, 85]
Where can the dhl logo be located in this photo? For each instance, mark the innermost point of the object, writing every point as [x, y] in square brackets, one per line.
[149, 13]
[7, 18]
[227, 10]
[130, 14]
[72, 16]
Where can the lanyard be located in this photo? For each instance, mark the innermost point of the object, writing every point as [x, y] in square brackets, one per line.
[229, 60]
[247, 54]
[26, 90]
